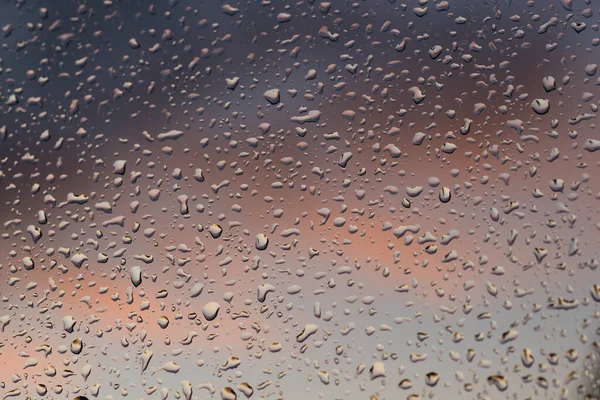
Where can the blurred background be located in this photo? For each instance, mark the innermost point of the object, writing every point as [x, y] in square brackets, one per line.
[273, 199]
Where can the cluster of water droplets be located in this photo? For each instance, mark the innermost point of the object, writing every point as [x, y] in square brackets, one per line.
[300, 199]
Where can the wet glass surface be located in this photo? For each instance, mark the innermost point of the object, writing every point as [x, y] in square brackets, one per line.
[299, 199]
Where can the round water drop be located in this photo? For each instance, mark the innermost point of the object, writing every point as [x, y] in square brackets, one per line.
[540, 106]
[211, 310]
